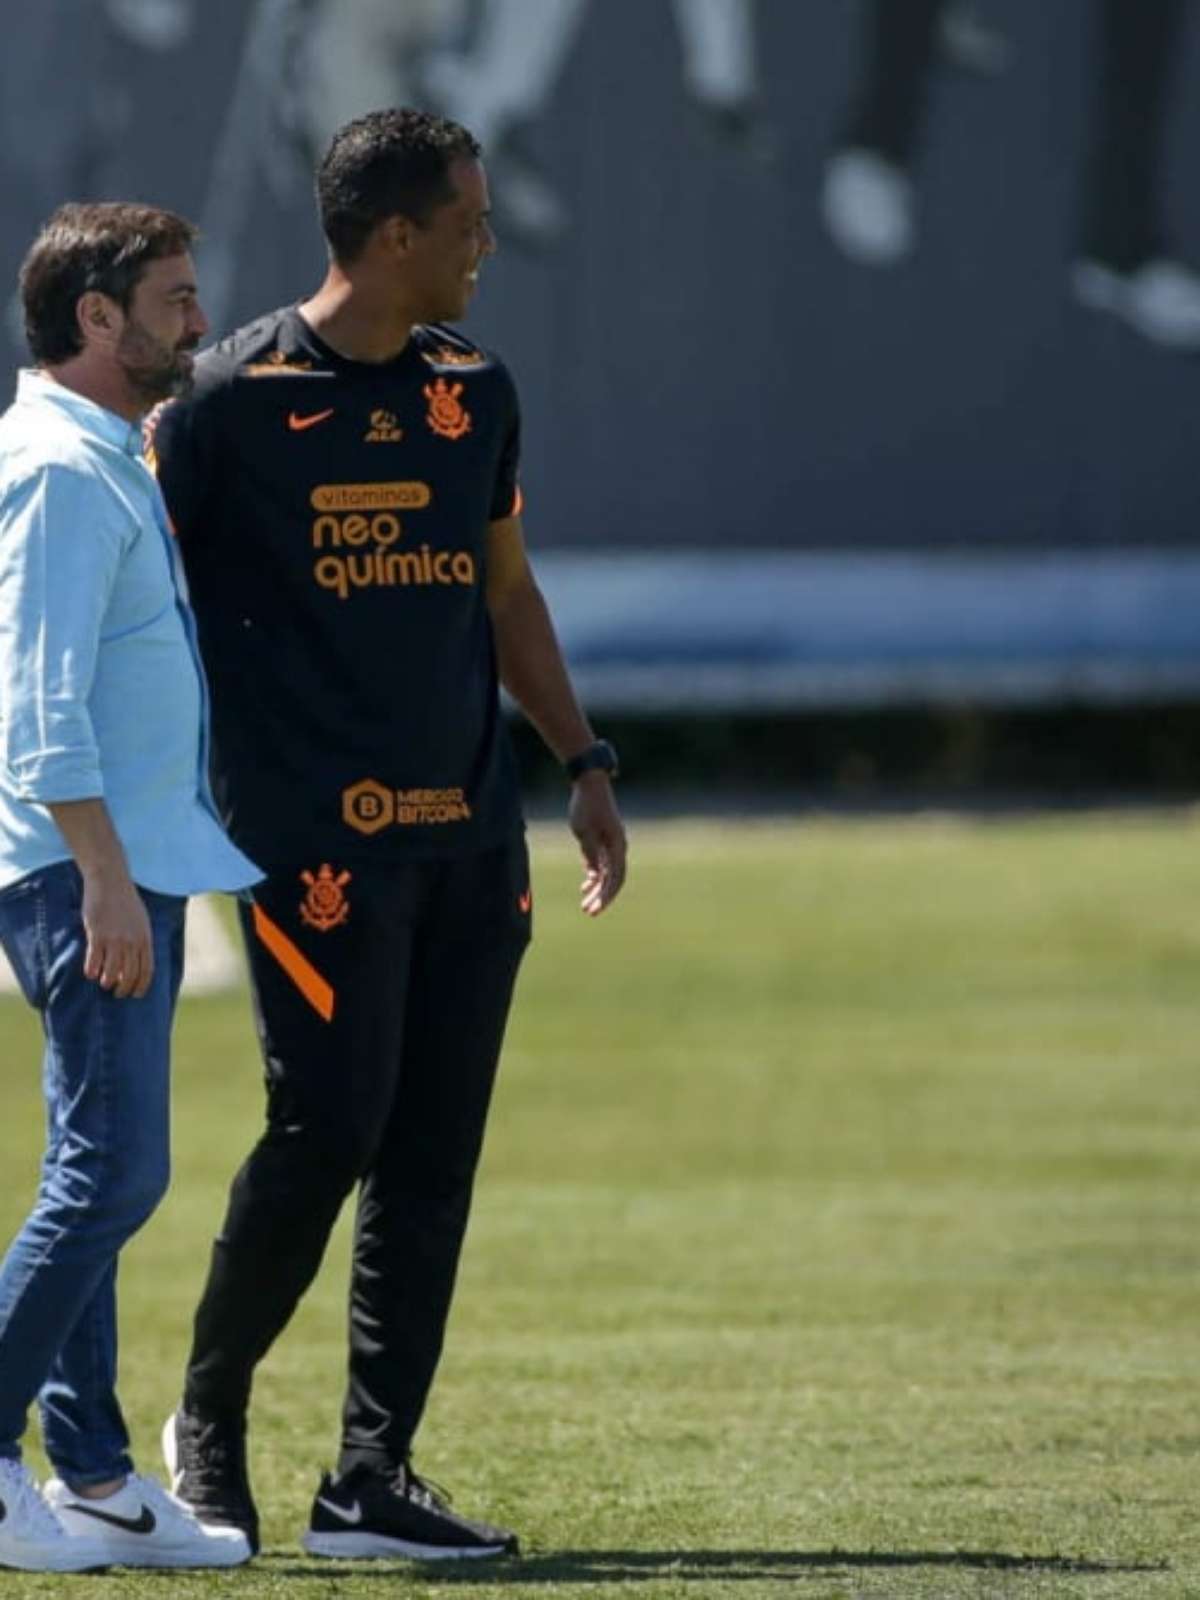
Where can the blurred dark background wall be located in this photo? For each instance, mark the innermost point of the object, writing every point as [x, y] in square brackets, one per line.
[857, 343]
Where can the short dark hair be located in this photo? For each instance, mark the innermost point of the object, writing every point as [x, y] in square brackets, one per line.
[104, 246]
[387, 164]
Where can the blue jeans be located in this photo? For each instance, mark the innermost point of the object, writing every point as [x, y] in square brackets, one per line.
[106, 1075]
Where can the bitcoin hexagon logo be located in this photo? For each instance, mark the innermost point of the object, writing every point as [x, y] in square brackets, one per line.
[368, 806]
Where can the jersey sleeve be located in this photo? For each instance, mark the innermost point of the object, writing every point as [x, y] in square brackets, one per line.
[506, 492]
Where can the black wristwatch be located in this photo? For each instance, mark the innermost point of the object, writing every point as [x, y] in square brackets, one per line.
[598, 757]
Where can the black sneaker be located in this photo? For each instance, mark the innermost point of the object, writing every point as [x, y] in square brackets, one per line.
[366, 1513]
[207, 1463]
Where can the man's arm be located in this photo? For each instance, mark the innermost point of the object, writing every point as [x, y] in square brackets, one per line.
[58, 561]
[533, 671]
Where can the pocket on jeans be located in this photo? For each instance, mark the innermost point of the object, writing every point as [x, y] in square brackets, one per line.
[62, 880]
[14, 893]
[20, 937]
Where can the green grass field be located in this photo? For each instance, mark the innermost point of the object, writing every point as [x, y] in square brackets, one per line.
[836, 1235]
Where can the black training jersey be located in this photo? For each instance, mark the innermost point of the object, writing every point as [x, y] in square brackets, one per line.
[333, 518]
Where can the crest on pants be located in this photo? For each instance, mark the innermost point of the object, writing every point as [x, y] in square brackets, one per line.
[325, 905]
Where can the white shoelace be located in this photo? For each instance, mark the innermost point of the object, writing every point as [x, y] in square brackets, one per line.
[24, 1500]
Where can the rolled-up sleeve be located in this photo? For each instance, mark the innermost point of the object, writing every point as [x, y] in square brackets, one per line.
[61, 545]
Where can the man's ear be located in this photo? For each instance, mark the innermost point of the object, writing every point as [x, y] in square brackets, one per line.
[98, 317]
[396, 234]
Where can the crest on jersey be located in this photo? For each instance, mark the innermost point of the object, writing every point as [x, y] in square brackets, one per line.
[324, 906]
[275, 364]
[447, 415]
[447, 356]
[384, 429]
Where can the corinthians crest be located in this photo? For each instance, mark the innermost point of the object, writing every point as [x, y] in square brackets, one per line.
[447, 415]
[324, 906]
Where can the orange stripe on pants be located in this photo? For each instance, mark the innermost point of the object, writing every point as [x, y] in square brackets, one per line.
[296, 964]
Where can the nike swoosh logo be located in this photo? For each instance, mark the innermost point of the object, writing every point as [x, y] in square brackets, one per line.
[144, 1523]
[350, 1514]
[297, 423]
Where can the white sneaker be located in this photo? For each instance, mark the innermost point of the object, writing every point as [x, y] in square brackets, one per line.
[141, 1525]
[154, 24]
[1160, 300]
[526, 201]
[969, 42]
[31, 1536]
[868, 206]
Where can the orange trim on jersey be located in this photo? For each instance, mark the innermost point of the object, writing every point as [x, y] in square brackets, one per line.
[296, 964]
[518, 504]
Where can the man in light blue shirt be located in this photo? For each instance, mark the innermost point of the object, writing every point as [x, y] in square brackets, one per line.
[106, 826]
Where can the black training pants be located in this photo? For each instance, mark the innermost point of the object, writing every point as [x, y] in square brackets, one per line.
[1139, 48]
[381, 1000]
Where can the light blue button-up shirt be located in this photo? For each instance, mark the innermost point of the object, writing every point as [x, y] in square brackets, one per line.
[102, 694]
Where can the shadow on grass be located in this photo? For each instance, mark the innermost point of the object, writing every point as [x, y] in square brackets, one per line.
[700, 1566]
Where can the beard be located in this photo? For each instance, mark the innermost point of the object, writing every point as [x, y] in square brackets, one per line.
[154, 371]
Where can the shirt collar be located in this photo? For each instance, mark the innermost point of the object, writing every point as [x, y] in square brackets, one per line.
[40, 389]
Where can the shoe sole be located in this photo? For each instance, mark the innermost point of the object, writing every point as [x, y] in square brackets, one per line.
[360, 1546]
[182, 1561]
[93, 1563]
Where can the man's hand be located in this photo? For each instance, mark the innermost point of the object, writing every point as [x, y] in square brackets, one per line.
[533, 671]
[120, 950]
[596, 823]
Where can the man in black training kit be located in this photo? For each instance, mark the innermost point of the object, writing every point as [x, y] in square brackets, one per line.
[344, 485]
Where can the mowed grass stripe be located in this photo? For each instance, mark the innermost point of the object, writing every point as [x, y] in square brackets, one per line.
[836, 1232]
